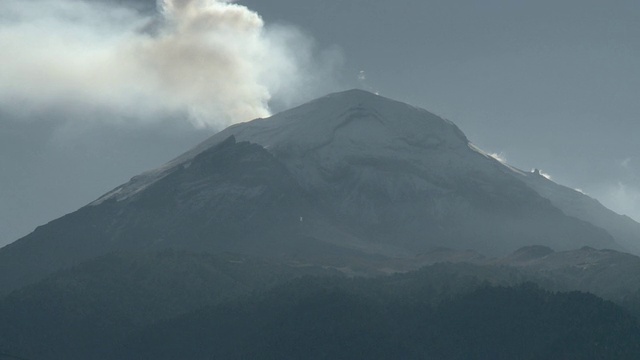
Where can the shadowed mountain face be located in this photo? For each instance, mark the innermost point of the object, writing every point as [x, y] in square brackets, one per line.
[347, 177]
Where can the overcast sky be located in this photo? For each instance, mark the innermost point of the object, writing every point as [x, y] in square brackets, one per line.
[93, 93]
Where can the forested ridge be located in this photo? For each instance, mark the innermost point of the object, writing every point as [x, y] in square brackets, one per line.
[175, 305]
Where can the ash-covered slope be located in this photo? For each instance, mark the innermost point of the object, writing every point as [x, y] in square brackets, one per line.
[625, 230]
[346, 177]
[232, 197]
[409, 177]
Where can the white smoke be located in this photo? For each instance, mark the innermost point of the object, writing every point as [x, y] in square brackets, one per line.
[501, 157]
[210, 59]
[622, 198]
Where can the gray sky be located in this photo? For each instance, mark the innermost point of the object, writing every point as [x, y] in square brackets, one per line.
[546, 84]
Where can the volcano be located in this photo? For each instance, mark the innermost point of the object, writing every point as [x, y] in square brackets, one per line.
[343, 180]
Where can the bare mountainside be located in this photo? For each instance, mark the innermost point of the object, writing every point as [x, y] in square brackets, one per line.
[343, 179]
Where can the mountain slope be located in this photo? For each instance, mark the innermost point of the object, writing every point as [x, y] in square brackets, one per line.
[349, 176]
[232, 197]
[625, 230]
[610, 274]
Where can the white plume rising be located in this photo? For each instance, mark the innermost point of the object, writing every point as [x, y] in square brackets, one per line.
[210, 59]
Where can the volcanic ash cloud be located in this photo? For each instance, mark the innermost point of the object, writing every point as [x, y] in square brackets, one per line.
[212, 60]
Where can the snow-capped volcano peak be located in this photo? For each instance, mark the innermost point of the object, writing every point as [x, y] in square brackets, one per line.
[330, 132]
[357, 134]
[353, 116]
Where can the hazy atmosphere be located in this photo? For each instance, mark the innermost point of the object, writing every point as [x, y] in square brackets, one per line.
[95, 92]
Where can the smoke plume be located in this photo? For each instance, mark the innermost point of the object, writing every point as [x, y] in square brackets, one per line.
[214, 61]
